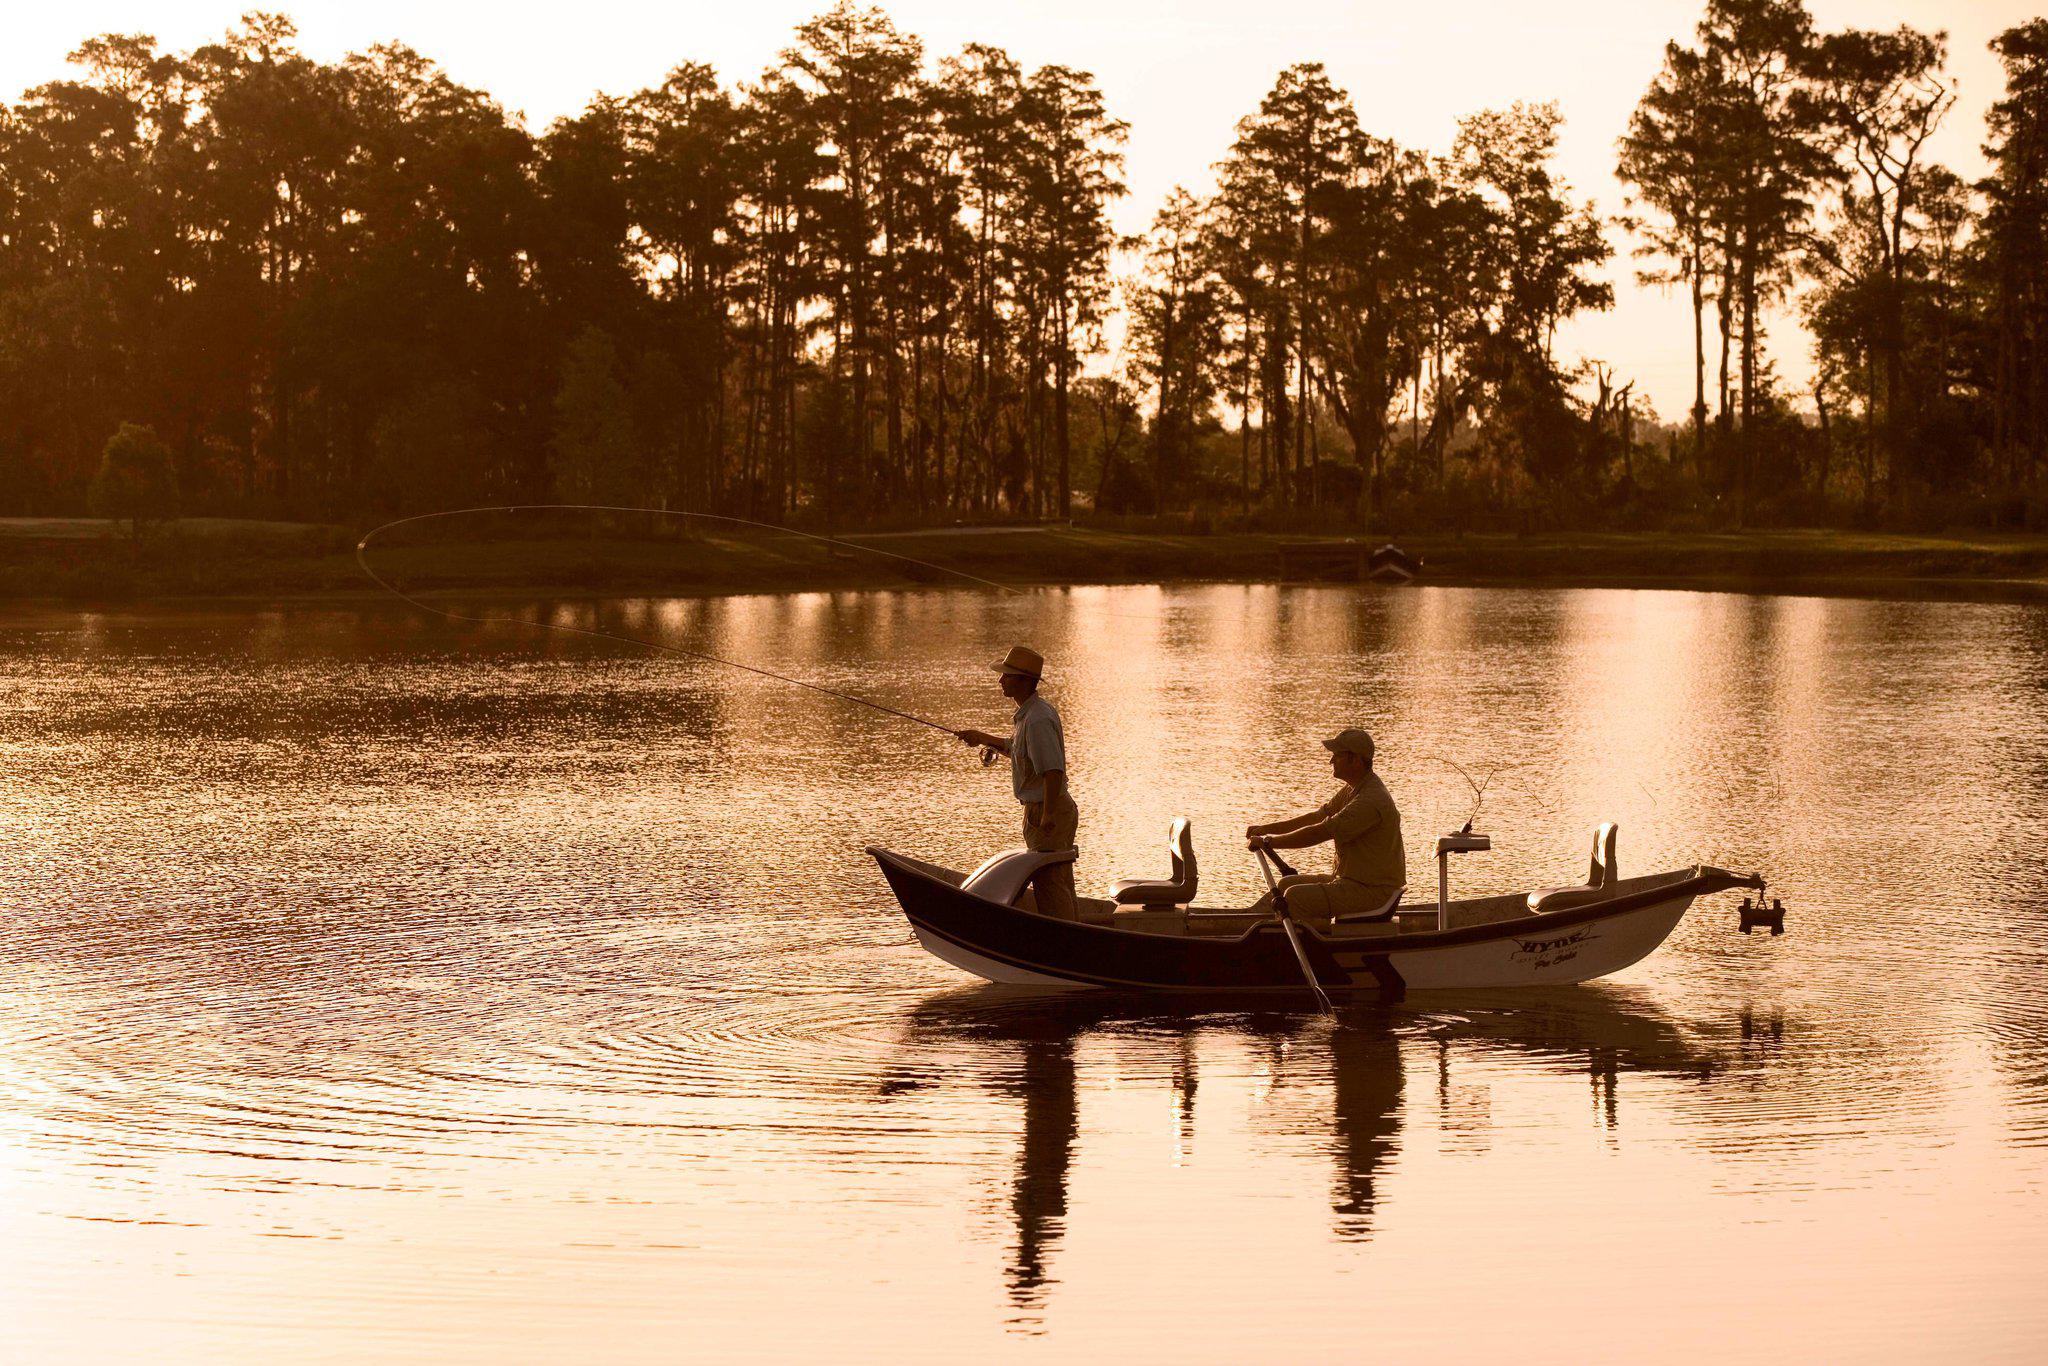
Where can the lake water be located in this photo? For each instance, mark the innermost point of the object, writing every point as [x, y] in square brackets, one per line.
[377, 988]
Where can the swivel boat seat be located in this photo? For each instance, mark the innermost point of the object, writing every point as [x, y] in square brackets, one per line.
[1599, 884]
[1164, 894]
[1003, 878]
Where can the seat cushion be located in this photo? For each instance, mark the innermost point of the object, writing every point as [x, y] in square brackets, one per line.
[1564, 898]
[1374, 914]
[1384, 917]
[1150, 892]
[1002, 878]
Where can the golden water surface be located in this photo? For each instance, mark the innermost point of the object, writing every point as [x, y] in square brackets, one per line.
[376, 988]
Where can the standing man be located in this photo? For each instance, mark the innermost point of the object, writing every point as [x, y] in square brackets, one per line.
[1037, 749]
[1361, 820]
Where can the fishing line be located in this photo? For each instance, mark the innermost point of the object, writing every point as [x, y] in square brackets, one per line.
[1478, 786]
[684, 652]
[363, 563]
[675, 512]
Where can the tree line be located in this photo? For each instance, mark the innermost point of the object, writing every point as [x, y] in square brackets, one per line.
[871, 285]
[1768, 155]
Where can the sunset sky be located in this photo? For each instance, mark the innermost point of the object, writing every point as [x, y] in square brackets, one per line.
[1180, 73]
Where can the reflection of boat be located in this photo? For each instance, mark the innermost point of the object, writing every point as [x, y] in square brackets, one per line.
[1372, 1083]
[1579, 1024]
[1558, 936]
[981, 1013]
[1043, 1028]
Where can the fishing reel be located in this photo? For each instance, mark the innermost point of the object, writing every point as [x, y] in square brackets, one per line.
[1759, 916]
[988, 755]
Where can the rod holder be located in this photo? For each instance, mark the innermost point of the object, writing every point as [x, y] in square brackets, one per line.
[1457, 842]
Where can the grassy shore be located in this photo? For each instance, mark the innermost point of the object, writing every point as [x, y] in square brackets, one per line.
[83, 560]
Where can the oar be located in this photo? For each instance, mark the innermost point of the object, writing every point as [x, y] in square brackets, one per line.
[1287, 924]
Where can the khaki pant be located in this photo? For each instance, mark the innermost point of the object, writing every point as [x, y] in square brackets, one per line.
[1324, 897]
[1053, 888]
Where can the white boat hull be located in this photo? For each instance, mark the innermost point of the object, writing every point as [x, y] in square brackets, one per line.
[989, 969]
[1541, 956]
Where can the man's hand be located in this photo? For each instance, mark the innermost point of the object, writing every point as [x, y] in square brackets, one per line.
[1252, 835]
[974, 738]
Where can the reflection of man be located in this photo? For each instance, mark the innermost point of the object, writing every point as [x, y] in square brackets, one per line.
[1366, 1076]
[1047, 1085]
[1361, 820]
[1037, 749]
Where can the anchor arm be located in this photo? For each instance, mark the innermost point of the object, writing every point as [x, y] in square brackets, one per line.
[1726, 880]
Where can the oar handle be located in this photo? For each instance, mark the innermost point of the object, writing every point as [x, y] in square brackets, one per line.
[1262, 853]
[1266, 847]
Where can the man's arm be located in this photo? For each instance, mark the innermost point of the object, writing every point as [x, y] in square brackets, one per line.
[1283, 827]
[1255, 833]
[976, 738]
[1055, 788]
[1295, 834]
[1348, 821]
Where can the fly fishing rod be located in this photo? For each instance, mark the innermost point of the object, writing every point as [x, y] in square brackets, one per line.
[706, 656]
[681, 651]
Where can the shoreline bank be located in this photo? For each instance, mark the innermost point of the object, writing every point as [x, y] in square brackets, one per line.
[77, 562]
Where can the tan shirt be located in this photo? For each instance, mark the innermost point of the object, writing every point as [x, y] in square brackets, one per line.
[1038, 746]
[1367, 829]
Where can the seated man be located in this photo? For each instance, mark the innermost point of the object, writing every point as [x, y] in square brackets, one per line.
[1366, 828]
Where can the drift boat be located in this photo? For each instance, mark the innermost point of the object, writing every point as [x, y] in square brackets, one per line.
[1150, 935]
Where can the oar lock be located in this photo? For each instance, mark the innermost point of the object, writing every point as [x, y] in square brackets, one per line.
[1756, 915]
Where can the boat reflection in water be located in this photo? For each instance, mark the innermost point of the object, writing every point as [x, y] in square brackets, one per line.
[1367, 1058]
[1045, 1027]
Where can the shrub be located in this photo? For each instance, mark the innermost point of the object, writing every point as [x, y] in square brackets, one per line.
[136, 480]
[1126, 490]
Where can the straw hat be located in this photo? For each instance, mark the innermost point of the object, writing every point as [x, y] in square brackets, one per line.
[1022, 660]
